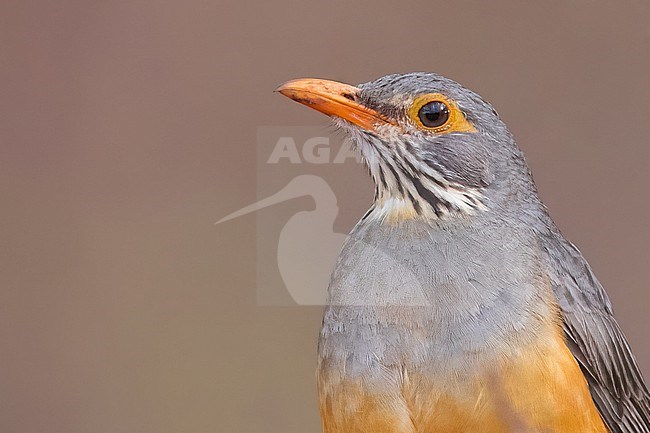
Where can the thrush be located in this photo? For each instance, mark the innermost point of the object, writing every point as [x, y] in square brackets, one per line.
[456, 305]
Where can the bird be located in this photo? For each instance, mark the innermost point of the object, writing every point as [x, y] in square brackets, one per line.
[302, 267]
[456, 304]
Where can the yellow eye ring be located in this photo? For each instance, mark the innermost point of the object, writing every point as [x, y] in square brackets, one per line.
[441, 115]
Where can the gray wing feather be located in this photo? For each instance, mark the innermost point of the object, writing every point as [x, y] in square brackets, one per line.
[596, 340]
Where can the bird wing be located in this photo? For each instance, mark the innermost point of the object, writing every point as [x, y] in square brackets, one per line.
[596, 340]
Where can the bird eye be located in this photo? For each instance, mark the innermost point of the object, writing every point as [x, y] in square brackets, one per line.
[434, 114]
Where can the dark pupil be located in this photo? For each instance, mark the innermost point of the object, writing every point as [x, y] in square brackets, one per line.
[434, 114]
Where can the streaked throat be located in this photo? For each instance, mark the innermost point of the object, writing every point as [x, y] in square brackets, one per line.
[406, 187]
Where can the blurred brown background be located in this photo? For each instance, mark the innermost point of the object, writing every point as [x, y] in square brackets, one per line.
[128, 128]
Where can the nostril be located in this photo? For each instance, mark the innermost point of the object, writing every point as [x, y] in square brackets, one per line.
[349, 96]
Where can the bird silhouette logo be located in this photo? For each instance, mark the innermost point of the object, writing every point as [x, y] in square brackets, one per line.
[307, 245]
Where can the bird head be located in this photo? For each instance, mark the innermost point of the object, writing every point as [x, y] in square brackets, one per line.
[433, 148]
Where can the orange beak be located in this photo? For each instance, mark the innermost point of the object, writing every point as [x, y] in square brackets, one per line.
[334, 99]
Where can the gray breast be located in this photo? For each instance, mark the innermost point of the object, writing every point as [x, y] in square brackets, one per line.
[428, 296]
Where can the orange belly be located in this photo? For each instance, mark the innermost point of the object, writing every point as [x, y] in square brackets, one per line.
[537, 389]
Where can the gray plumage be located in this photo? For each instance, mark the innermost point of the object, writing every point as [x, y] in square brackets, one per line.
[414, 295]
[596, 340]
